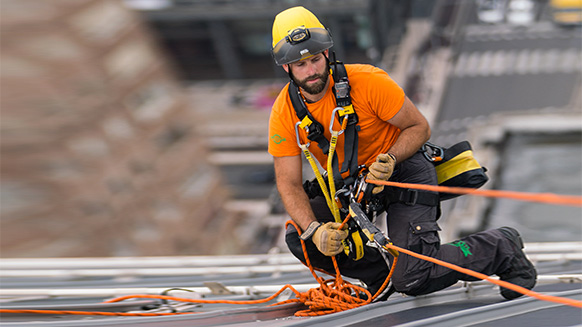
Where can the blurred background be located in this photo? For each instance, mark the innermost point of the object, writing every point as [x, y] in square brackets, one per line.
[139, 127]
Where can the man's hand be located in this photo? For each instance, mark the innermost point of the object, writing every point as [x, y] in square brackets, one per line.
[381, 170]
[328, 238]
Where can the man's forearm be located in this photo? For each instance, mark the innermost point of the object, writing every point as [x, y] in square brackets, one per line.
[297, 205]
[409, 141]
[414, 131]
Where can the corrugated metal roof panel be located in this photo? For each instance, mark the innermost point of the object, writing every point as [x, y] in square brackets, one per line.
[82, 284]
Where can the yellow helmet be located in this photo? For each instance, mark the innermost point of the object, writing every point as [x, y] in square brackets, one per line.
[297, 35]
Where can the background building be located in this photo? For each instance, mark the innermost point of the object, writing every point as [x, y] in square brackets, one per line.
[229, 39]
[99, 148]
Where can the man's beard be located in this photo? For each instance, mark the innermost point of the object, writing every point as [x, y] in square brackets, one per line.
[313, 88]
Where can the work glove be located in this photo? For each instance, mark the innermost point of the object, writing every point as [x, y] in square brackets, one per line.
[328, 238]
[381, 170]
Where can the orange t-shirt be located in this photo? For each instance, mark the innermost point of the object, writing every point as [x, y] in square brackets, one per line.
[376, 99]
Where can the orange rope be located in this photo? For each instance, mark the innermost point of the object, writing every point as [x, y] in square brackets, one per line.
[89, 313]
[570, 200]
[337, 295]
[149, 296]
[522, 290]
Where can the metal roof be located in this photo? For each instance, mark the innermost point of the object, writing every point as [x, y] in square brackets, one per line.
[82, 284]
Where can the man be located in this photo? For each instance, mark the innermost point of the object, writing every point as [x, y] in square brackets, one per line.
[390, 130]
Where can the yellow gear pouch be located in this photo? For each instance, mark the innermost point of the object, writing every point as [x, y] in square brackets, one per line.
[455, 166]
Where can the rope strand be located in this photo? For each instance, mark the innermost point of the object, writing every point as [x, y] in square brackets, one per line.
[550, 198]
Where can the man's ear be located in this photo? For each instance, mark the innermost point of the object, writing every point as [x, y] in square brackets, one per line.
[286, 67]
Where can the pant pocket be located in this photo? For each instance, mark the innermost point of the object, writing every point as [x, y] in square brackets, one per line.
[423, 239]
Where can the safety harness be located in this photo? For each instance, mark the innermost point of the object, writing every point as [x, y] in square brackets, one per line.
[353, 245]
[345, 110]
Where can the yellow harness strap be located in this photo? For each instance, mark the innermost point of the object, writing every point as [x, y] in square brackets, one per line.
[330, 196]
[320, 180]
[332, 144]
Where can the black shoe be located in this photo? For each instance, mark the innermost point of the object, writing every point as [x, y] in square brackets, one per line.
[389, 290]
[521, 272]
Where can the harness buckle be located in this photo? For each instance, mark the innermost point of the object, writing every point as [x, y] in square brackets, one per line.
[305, 122]
[409, 197]
[347, 110]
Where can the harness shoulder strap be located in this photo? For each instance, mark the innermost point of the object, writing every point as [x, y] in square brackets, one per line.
[342, 88]
[343, 99]
[314, 128]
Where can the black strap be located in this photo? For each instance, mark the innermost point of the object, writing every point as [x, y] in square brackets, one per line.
[342, 87]
[315, 129]
[341, 91]
[350, 152]
[411, 197]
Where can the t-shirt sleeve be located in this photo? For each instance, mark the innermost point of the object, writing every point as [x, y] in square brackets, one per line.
[386, 95]
[282, 139]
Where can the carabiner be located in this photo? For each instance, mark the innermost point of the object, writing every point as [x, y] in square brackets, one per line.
[432, 152]
[297, 136]
[333, 119]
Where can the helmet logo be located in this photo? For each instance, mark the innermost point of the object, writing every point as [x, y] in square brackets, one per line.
[298, 35]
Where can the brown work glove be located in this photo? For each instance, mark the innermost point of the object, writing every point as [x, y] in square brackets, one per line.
[381, 170]
[328, 238]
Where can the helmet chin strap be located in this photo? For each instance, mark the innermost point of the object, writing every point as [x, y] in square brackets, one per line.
[326, 59]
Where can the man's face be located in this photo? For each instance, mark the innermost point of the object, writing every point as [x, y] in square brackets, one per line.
[311, 74]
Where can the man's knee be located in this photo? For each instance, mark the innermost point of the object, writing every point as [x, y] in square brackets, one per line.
[411, 277]
[294, 243]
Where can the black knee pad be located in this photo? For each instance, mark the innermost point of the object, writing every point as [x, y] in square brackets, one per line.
[294, 243]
